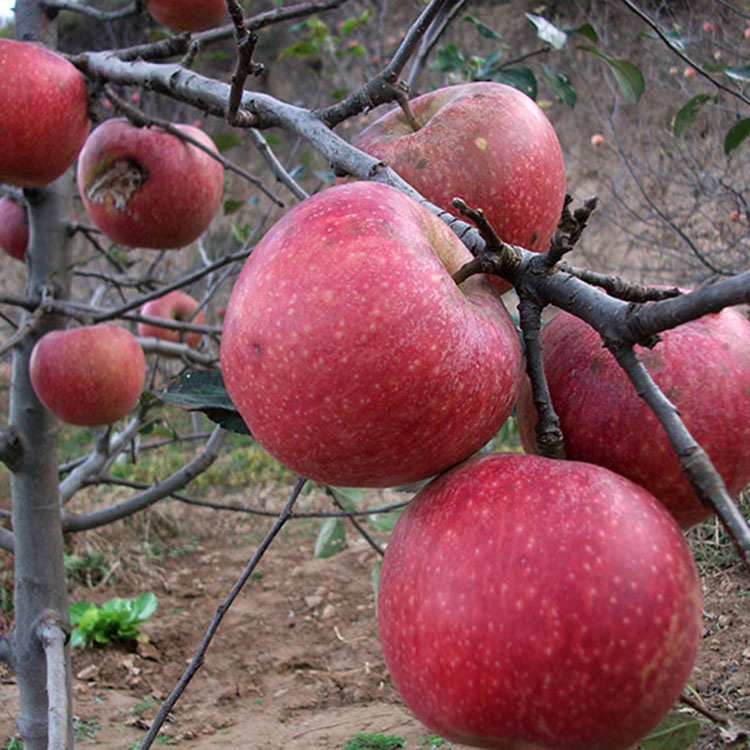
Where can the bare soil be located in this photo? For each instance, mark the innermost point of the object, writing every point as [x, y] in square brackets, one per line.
[296, 662]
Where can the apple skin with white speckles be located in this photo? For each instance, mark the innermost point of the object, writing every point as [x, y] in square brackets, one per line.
[44, 104]
[485, 142]
[533, 604]
[702, 366]
[89, 375]
[351, 353]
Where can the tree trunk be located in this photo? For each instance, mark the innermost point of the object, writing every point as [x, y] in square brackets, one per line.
[39, 569]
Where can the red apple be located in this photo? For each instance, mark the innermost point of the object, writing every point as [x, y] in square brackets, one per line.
[180, 15]
[597, 140]
[91, 375]
[14, 228]
[44, 104]
[708, 26]
[176, 305]
[487, 143]
[689, 72]
[351, 353]
[145, 187]
[532, 604]
[703, 367]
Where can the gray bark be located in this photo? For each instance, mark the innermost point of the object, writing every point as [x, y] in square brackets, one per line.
[37, 529]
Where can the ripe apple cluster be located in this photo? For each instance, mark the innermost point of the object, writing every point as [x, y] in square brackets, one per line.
[525, 603]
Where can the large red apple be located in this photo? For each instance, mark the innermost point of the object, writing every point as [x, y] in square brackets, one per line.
[145, 187]
[91, 375]
[187, 15]
[532, 604]
[351, 353]
[44, 104]
[487, 143]
[703, 367]
[175, 305]
[14, 228]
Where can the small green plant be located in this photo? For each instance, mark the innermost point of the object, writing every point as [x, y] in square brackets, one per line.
[433, 742]
[117, 620]
[87, 569]
[371, 741]
[14, 743]
[85, 729]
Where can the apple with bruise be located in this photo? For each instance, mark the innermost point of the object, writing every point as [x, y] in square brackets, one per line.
[146, 187]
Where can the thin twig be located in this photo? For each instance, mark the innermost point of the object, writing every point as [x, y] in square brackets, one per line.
[221, 610]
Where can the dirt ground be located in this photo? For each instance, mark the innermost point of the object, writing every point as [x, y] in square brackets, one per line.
[296, 662]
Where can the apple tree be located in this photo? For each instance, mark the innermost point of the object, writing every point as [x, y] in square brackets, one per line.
[363, 343]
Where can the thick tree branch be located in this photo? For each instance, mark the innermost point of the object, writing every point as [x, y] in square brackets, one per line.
[73, 522]
[53, 631]
[6, 652]
[7, 540]
[100, 15]
[221, 610]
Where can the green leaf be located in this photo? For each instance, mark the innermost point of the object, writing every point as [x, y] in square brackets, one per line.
[522, 78]
[675, 732]
[384, 521]
[331, 538]
[450, 59]
[586, 30]
[738, 73]
[77, 610]
[352, 24]
[226, 140]
[687, 114]
[560, 84]
[628, 76]
[674, 37]
[736, 134]
[482, 28]
[204, 390]
[348, 497]
[232, 206]
[356, 49]
[144, 606]
[547, 31]
[490, 64]
[375, 578]
[300, 49]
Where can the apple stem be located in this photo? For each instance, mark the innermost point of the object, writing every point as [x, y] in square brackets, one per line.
[403, 101]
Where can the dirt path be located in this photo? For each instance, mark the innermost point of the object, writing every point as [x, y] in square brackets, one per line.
[296, 663]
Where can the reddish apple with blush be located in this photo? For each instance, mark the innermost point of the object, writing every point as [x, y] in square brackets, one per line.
[181, 15]
[485, 142]
[44, 103]
[145, 187]
[350, 352]
[703, 367]
[90, 375]
[526, 603]
[14, 228]
[175, 305]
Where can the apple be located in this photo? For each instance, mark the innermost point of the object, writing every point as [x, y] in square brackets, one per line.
[708, 26]
[702, 366]
[175, 305]
[350, 352]
[532, 604]
[597, 140]
[690, 72]
[747, 33]
[14, 228]
[180, 15]
[145, 187]
[90, 375]
[487, 143]
[44, 103]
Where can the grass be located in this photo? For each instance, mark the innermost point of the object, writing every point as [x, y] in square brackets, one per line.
[712, 548]
[372, 741]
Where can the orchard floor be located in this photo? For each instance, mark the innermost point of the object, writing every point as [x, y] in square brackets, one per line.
[296, 662]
